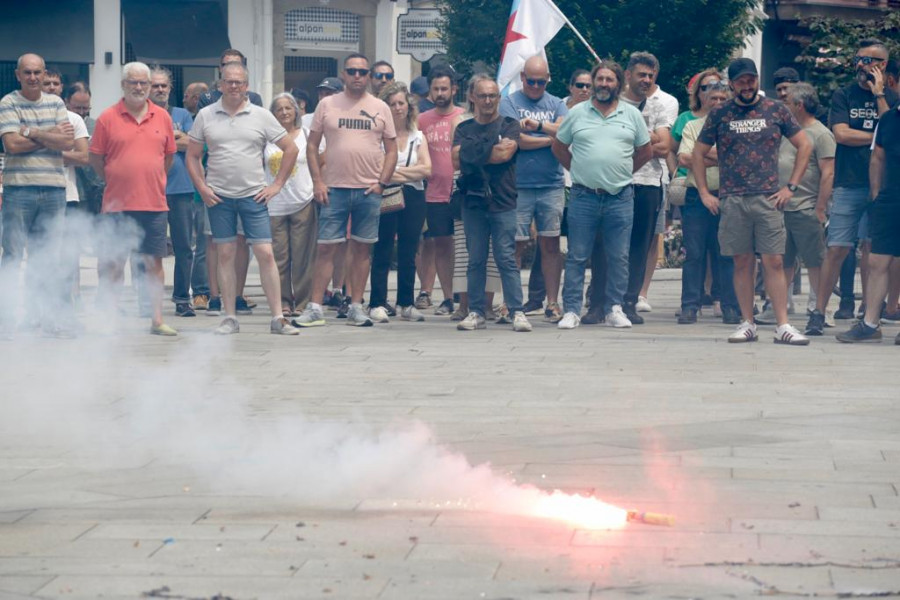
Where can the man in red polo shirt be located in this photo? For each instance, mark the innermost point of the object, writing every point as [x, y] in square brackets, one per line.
[132, 148]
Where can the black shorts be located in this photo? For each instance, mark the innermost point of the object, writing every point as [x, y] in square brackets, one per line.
[884, 224]
[144, 232]
[439, 217]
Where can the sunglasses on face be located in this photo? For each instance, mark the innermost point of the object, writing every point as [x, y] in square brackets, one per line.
[536, 82]
[388, 76]
[355, 72]
[582, 86]
[867, 60]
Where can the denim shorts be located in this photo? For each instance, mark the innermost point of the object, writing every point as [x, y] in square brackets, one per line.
[353, 205]
[223, 220]
[848, 207]
[544, 206]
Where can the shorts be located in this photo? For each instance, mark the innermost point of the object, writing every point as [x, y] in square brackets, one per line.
[805, 238]
[223, 220]
[847, 209]
[751, 224]
[885, 222]
[353, 206]
[141, 231]
[207, 230]
[439, 217]
[542, 205]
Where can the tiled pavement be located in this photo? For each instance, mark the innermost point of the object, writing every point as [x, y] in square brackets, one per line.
[267, 467]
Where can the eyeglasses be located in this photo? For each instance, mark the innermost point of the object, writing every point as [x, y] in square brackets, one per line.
[355, 72]
[136, 83]
[484, 97]
[536, 82]
[160, 86]
[234, 82]
[387, 76]
[867, 60]
[715, 85]
[582, 86]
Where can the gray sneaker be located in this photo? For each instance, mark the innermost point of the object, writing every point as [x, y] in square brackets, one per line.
[357, 317]
[471, 322]
[766, 317]
[281, 326]
[411, 313]
[228, 326]
[312, 316]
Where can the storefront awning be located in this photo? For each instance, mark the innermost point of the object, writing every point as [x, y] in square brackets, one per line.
[176, 32]
[60, 32]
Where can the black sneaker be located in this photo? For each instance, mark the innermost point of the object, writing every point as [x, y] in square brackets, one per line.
[897, 340]
[688, 316]
[593, 317]
[344, 308]
[444, 308]
[214, 308]
[860, 333]
[845, 310]
[533, 308]
[632, 314]
[335, 301]
[241, 307]
[816, 323]
[391, 310]
[730, 316]
[707, 300]
[183, 309]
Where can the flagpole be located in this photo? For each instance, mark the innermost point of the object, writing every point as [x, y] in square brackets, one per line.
[575, 31]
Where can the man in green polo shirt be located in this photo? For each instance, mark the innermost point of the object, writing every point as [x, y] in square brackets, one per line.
[602, 143]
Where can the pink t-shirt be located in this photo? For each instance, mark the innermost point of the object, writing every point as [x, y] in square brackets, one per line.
[353, 130]
[438, 130]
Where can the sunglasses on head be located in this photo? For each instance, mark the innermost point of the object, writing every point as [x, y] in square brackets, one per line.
[582, 86]
[867, 60]
[536, 82]
[355, 72]
[716, 85]
[387, 76]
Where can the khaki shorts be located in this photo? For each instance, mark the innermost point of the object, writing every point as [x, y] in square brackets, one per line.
[751, 224]
[805, 238]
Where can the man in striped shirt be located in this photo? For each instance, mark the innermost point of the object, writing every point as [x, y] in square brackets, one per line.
[35, 130]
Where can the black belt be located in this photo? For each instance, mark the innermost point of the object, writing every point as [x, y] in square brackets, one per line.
[598, 191]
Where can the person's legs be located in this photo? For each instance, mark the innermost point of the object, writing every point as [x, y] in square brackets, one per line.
[268, 275]
[44, 272]
[879, 266]
[241, 264]
[616, 224]
[155, 280]
[303, 253]
[381, 259]
[893, 298]
[365, 211]
[443, 262]
[180, 229]
[526, 201]
[199, 275]
[548, 219]
[581, 221]
[19, 211]
[694, 227]
[537, 288]
[412, 218]
[745, 284]
[281, 247]
[425, 265]
[477, 231]
[503, 243]
[223, 224]
[736, 240]
[647, 200]
[847, 209]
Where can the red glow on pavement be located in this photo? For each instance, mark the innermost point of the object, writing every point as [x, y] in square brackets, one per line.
[581, 511]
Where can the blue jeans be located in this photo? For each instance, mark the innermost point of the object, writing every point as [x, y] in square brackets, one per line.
[612, 215]
[33, 218]
[184, 220]
[482, 226]
[700, 230]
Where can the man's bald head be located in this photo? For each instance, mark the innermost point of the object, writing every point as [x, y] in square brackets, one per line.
[30, 59]
[535, 75]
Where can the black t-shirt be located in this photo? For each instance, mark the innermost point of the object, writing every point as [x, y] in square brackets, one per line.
[857, 108]
[501, 177]
[888, 137]
[747, 139]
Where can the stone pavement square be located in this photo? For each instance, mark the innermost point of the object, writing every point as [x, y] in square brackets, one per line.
[344, 463]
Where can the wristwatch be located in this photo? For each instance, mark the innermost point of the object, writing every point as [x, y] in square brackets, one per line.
[26, 132]
[791, 187]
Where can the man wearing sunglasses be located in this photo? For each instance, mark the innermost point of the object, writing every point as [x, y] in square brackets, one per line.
[539, 176]
[382, 74]
[362, 152]
[855, 110]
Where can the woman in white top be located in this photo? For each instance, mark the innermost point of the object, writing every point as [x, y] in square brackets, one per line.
[292, 213]
[413, 167]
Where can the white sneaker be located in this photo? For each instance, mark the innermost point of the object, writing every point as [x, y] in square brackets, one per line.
[829, 318]
[379, 314]
[312, 316]
[642, 305]
[411, 313]
[745, 332]
[788, 334]
[281, 326]
[228, 326]
[471, 322]
[520, 322]
[357, 317]
[616, 318]
[569, 321]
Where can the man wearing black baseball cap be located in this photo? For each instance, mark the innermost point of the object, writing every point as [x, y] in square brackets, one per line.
[747, 133]
[784, 78]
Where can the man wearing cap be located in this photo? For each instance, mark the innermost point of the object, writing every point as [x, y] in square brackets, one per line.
[747, 133]
[855, 110]
[783, 79]
[329, 87]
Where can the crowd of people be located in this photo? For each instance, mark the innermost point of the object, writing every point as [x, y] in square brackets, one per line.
[382, 173]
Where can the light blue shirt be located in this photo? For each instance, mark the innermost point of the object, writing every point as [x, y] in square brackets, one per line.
[602, 147]
[177, 179]
[536, 168]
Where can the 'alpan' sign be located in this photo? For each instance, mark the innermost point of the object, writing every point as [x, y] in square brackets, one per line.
[418, 33]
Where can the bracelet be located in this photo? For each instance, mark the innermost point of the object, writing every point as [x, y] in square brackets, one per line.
[881, 95]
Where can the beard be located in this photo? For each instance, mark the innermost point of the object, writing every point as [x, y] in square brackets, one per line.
[442, 101]
[604, 95]
[742, 97]
[862, 77]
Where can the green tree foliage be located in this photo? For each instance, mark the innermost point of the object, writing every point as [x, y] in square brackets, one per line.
[686, 35]
[828, 58]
